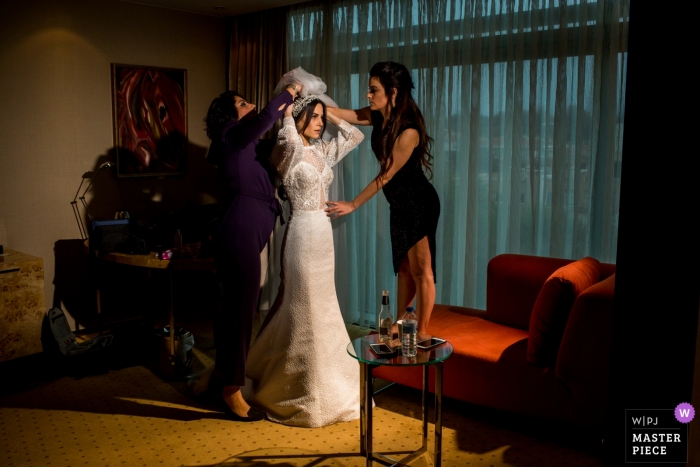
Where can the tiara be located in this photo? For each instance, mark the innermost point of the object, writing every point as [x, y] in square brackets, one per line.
[299, 104]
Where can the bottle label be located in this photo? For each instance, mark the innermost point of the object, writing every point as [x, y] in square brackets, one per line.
[385, 330]
[410, 327]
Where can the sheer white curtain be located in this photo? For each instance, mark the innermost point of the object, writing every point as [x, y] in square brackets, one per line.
[524, 100]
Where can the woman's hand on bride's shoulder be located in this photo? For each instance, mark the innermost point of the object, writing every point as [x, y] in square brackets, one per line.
[338, 208]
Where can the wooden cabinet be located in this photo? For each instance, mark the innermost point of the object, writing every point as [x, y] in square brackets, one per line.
[22, 304]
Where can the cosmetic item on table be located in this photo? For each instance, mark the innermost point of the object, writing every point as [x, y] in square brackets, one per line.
[165, 254]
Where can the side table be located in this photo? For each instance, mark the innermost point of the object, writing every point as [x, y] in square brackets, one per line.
[360, 349]
[151, 261]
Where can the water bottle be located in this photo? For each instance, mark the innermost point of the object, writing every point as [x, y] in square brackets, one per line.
[385, 319]
[409, 333]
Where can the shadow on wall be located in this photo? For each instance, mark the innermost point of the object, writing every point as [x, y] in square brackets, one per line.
[146, 197]
[125, 289]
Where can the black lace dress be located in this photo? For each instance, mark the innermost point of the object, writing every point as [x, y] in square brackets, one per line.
[413, 201]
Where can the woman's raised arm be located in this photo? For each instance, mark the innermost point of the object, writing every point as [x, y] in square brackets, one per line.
[245, 131]
[353, 117]
[288, 151]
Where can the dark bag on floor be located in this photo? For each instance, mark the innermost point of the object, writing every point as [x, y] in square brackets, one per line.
[77, 359]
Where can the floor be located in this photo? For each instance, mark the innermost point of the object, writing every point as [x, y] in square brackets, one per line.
[122, 410]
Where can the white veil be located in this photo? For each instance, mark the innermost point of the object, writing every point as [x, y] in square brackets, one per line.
[311, 85]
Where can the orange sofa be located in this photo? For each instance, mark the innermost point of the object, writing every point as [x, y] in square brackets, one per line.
[494, 362]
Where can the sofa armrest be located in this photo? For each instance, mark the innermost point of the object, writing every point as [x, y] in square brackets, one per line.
[512, 284]
[607, 270]
[583, 361]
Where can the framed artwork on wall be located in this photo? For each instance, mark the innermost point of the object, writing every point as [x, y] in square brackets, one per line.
[149, 111]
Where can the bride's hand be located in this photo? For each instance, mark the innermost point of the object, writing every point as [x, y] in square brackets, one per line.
[338, 208]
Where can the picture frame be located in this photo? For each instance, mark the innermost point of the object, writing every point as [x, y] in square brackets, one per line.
[149, 113]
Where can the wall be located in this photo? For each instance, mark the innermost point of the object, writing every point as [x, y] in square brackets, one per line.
[56, 118]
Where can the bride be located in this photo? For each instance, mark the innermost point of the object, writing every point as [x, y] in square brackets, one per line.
[301, 372]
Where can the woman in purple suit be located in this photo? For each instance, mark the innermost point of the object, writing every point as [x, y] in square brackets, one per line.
[250, 210]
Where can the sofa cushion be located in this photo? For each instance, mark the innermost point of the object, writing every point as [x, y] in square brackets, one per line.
[552, 308]
[512, 284]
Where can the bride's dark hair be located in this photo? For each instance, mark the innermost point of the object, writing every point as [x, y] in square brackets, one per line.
[306, 114]
[395, 77]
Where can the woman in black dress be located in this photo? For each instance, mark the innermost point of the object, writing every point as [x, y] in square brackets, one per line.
[402, 146]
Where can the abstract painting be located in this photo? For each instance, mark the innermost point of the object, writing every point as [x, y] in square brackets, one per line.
[149, 106]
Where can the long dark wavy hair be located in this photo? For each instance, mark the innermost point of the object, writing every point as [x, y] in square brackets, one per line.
[221, 110]
[405, 114]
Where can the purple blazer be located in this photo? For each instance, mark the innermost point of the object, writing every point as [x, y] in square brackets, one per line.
[250, 206]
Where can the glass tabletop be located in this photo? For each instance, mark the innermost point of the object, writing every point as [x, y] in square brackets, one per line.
[360, 349]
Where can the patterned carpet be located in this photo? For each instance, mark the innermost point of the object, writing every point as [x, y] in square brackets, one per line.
[121, 411]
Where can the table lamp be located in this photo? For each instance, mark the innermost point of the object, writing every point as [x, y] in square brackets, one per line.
[74, 203]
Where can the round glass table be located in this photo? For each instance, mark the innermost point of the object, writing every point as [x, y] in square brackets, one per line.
[361, 350]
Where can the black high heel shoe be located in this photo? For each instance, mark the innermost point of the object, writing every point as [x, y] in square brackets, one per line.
[254, 415]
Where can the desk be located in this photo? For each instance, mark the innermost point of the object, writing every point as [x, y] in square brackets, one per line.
[151, 261]
[360, 349]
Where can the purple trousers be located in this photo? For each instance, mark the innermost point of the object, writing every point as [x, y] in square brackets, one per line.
[245, 231]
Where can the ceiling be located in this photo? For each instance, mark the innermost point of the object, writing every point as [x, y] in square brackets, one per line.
[221, 8]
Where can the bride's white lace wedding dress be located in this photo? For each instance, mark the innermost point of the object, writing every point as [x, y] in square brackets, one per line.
[301, 372]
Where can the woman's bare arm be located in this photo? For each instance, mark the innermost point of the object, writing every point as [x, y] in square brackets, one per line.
[353, 117]
[403, 148]
[342, 208]
[333, 117]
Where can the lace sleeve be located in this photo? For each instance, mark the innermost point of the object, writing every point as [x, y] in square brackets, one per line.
[288, 150]
[349, 137]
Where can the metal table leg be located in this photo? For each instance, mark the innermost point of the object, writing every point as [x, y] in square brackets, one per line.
[363, 409]
[438, 414]
[172, 320]
[385, 460]
[366, 392]
[367, 399]
[424, 408]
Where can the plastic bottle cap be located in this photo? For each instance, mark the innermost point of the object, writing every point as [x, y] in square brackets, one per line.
[410, 308]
